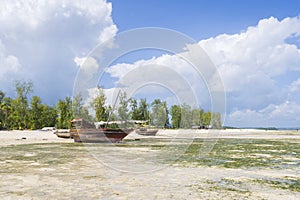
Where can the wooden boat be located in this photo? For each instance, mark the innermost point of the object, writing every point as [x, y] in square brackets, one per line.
[84, 131]
[142, 128]
[63, 133]
[146, 131]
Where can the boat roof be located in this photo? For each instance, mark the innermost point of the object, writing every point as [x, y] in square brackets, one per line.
[113, 122]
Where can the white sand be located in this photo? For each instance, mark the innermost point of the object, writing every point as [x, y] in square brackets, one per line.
[228, 133]
[87, 178]
[29, 137]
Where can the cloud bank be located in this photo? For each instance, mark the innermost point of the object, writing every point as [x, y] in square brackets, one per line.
[39, 40]
[260, 69]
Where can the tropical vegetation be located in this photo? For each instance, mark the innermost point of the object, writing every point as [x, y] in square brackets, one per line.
[29, 112]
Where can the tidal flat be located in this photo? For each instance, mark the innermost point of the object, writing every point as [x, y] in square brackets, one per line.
[153, 168]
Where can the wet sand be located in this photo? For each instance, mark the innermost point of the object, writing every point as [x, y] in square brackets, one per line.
[43, 166]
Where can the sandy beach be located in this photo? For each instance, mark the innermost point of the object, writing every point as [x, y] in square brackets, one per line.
[28, 137]
[39, 165]
[38, 136]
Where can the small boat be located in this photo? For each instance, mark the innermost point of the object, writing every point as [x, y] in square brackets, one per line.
[65, 133]
[142, 128]
[146, 131]
[84, 131]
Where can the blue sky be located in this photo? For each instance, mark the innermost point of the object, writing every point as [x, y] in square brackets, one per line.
[253, 44]
[199, 19]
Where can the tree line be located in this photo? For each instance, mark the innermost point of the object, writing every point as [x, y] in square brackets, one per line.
[21, 113]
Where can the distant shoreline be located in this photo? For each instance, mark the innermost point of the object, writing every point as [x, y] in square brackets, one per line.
[16, 137]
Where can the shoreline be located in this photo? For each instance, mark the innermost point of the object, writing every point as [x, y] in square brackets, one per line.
[16, 137]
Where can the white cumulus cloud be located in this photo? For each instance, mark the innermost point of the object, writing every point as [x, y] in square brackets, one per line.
[9, 64]
[295, 86]
[261, 49]
[286, 114]
[108, 33]
[256, 67]
[256, 64]
[40, 40]
[260, 69]
[171, 72]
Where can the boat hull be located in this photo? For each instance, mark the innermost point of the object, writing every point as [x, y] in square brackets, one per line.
[146, 132]
[63, 134]
[100, 135]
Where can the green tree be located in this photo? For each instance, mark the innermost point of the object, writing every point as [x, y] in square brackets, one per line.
[186, 116]
[36, 113]
[165, 107]
[123, 107]
[134, 110]
[70, 114]
[77, 105]
[139, 111]
[143, 110]
[196, 117]
[158, 114]
[64, 113]
[109, 113]
[216, 120]
[79, 110]
[20, 104]
[7, 110]
[3, 113]
[176, 116]
[98, 104]
[42, 115]
[48, 116]
[2, 95]
[20, 113]
[206, 118]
